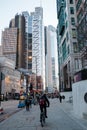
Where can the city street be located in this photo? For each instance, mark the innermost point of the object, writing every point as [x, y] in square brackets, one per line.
[60, 117]
[10, 107]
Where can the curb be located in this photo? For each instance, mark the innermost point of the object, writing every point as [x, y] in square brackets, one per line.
[10, 114]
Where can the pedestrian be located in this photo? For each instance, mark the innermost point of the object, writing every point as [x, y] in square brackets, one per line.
[60, 98]
[27, 103]
[44, 103]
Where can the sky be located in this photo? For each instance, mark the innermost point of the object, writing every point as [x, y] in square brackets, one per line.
[9, 8]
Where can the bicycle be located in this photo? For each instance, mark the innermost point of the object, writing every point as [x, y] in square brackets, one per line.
[42, 118]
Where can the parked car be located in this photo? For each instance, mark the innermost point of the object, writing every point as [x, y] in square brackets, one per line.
[16, 96]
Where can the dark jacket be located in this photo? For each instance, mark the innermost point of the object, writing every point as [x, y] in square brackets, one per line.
[47, 103]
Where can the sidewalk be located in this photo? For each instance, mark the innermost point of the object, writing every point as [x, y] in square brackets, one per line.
[60, 117]
[10, 107]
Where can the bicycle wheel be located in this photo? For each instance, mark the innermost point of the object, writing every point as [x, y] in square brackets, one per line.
[42, 123]
[42, 119]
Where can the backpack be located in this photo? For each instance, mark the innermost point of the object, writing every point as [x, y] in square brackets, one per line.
[42, 102]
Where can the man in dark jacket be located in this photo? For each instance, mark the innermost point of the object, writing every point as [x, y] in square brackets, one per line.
[44, 103]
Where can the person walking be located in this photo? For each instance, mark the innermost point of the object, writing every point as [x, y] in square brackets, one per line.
[27, 103]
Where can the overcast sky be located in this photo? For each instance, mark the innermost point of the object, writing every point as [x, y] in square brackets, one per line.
[8, 9]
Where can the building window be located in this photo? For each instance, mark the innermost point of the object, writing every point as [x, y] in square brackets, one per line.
[66, 24]
[76, 64]
[74, 33]
[71, 1]
[71, 10]
[64, 49]
[73, 21]
[69, 66]
[75, 47]
[67, 36]
[65, 15]
[68, 51]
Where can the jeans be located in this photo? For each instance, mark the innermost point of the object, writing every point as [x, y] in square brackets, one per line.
[45, 110]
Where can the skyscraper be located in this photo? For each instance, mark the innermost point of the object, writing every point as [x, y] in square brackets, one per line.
[51, 58]
[38, 48]
[9, 43]
[29, 42]
[49, 81]
[81, 11]
[21, 46]
[67, 43]
[13, 41]
[54, 54]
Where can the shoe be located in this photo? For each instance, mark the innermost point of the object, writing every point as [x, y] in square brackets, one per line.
[46, 116]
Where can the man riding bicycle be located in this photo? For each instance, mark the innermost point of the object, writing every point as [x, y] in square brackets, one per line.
[44, 103]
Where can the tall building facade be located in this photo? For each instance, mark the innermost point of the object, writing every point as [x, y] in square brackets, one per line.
[13, 41]
[9, 43]
[54, 55]
[11, 79]
[38, 48]
[49, 81]
[51, 55]
[81, 11]
[21, 46]
[68, 56]
[28, 42]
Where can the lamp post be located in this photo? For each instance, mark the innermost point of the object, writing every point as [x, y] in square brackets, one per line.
[36, 71]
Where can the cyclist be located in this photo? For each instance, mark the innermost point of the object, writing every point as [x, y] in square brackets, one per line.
[44, 102]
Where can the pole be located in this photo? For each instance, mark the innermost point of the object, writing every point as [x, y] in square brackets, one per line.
[26, 84]
[36, 74]
[35, 62]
